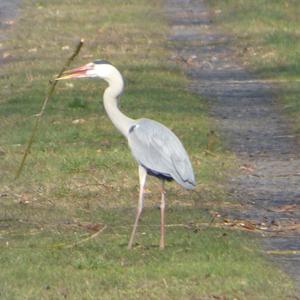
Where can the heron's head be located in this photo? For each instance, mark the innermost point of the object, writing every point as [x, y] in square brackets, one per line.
[98, 68]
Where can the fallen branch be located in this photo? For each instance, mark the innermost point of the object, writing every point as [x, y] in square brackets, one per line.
[50, 92]
[86, 239]
[283, 252]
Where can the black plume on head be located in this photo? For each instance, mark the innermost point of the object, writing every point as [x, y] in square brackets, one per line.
[101, 62]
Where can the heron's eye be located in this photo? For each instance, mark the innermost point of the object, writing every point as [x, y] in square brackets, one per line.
[101, 62]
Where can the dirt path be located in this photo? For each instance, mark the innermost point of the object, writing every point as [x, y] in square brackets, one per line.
[8, 11]
[252, 126]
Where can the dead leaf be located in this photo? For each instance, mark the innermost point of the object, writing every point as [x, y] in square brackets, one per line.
[219, 297]
[247, 225]
[91, 226]
[105, 143]
[9, 22]
[2, 152]
[292, 227]
[24, 198]
[283, 208]
[191, 59]
[78, 121]
[247, 167]
[6, 55]
[69, 85]
[64, 292]
[215, 214]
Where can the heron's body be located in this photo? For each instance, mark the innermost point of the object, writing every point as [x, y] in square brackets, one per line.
[160, 152]
[156, 148]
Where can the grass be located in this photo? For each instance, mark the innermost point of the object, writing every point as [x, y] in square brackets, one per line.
[267, 36]
[80, 174]
[46, 269]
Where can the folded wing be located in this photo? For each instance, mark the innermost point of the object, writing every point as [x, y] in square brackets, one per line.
[158, 149]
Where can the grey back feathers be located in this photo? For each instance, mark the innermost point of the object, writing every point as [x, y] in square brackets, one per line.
[157, 148]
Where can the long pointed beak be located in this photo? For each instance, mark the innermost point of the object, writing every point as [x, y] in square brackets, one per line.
[80, 72]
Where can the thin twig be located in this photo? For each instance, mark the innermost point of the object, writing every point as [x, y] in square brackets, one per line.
[98, 182]
[50, 92]
[86, 239]
[283, 252]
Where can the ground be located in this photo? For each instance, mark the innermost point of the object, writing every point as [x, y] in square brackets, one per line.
[252, 124]
[66, 221]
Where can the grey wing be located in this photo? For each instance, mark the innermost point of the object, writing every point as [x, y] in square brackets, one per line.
[158, 149]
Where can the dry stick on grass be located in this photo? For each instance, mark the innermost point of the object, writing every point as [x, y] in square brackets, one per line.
[50, 92]
[86, 239]
[283, 252]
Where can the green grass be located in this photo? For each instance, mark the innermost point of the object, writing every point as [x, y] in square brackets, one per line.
[83, 173]
[267, 36]
[37, 261]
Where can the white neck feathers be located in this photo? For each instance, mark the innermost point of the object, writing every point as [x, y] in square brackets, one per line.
[110, 99]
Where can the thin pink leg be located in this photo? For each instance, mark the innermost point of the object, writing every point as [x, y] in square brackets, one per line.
[142, 176]
[162, 217]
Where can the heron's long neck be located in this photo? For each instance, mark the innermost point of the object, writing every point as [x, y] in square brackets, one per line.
[110, 99]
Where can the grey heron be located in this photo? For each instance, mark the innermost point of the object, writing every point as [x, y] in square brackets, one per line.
[155, 147]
